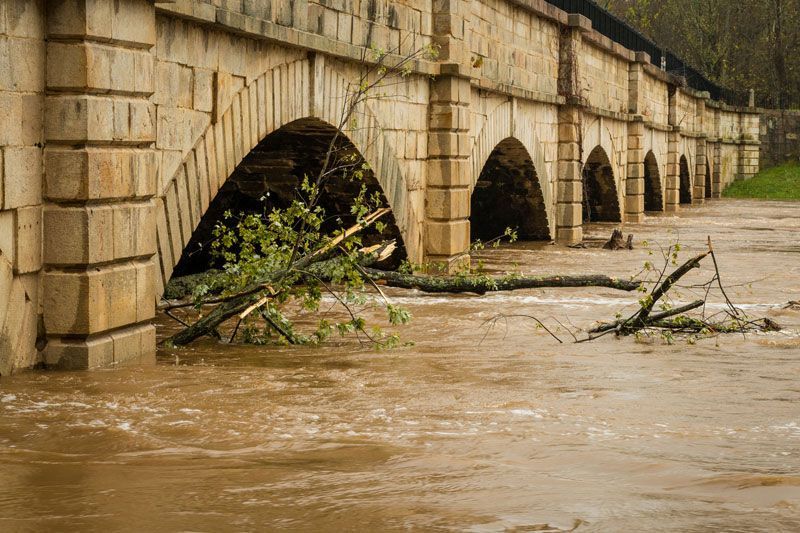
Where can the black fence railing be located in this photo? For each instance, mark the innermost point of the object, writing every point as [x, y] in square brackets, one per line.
[620, 32]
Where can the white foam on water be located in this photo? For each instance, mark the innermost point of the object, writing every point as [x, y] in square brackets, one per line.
[533, 413]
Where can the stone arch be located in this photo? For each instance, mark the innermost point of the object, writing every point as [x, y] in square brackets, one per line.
[283, 95]
[600, 198]
[508, 194]
[685, 183]
[653, 195]
[502, 124]
[269, 177]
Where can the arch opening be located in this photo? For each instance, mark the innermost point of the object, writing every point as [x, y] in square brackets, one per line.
[508, 195]
[708, 191]
[653, 197]
[600, 202]
[685, 182]
[269, 177]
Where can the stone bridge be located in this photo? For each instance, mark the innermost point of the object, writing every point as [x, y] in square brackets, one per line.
[125, 121]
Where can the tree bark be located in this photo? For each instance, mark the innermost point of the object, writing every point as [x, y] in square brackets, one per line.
[484, 284]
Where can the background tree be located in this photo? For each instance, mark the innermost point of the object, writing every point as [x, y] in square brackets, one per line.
[747, 44]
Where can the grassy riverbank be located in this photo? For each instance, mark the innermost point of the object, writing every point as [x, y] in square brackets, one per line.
[777, 183]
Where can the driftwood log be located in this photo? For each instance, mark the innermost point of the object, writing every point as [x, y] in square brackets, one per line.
[483, 284]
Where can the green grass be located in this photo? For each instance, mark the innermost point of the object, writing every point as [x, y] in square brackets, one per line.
[777, 183]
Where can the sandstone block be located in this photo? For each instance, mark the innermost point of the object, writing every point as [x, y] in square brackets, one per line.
[447, 238]
[672, 199]
[80, 18]
[569, 235]
[568, 133]
[78, 235]
[203, 90]
[448, 204]
[634, 208]
[145, 290]
[23, 19]
[134, 22]
[143, 68]
[28, 254]
[443, 143]
[6, 286]
[83, 354]
[22, 176]
[67, 67]
[8, 239]
[91, 301]
[79, 118]
[26, 61]
[99, 173]
[569, 151]
[18, 333]
[450, 89]
[449, 117]
[570, 170]
[570, 191]
[634, 186]
[449, 173]
[142, 117]
[569, 214]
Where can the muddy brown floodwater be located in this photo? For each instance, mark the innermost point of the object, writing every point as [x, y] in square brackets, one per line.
[464, 431]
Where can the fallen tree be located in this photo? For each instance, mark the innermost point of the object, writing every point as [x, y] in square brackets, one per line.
[676, 319]
[243, 303]
[672, 319]
[481, 284]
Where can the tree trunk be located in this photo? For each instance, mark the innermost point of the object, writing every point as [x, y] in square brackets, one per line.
[484, 284]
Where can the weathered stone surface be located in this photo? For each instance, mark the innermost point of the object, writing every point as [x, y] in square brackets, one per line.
[146, 115]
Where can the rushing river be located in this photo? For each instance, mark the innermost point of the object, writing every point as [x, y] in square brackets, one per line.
[471, 429]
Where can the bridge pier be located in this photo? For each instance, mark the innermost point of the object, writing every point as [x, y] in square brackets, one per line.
[634, 183]
[447, 195]
[672, 196]
[699, 194]
[569, 207]
[569, 188]
[99, 223]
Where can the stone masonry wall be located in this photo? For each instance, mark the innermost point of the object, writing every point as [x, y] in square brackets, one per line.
[604, 79]
[513, 46]
[686, 111]
[403, 25]
[22, 83]
[654, 99]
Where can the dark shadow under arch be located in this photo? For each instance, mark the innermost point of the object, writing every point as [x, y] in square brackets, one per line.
[508, 195]
[686, 182]
[600, 202]
[653, 198]
[269, 177]
[709, 192]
